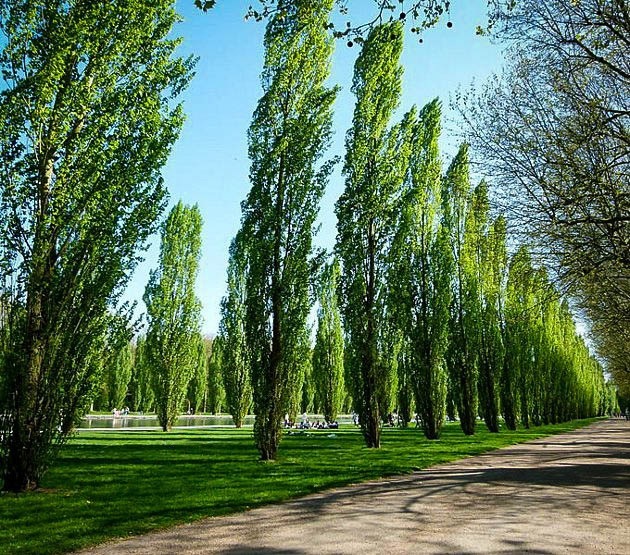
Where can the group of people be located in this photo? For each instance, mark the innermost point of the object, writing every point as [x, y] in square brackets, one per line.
[124, 412]
[305, 424]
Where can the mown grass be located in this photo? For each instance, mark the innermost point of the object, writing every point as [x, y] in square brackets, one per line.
[114, 484]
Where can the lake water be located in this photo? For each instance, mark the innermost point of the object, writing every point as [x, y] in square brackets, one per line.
[150, 421]
[186, 421]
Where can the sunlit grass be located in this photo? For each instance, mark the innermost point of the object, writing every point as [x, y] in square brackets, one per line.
[114, 484]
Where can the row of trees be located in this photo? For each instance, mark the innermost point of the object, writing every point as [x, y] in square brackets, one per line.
[128, 379]
[427, 301]
[552, 133]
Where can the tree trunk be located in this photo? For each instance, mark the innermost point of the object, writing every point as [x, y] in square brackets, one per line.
[467, 412]
[488, 393]
[267, 428]
[429, 425]
[25, 454]
[370, 418]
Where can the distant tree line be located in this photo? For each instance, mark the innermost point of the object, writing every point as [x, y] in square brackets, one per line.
[552, 133]
[129, 368]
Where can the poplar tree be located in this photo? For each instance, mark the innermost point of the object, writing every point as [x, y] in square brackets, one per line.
[406, 396]
[375, 164]
[116, 366]
[216, 389]
[492, 274]
[309, 402]
[144, 396]
[173, 312]
[462, 355]
[328, 351]
[230, 348]
[88, 116]
[484, 275]
[118, 375]
[552, 131]
[422, 273]
[289, 133]
[299, 369]
[549, 373]
[198, 386]
[520, 324]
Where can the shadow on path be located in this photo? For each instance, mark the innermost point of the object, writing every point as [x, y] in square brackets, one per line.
[562, 494]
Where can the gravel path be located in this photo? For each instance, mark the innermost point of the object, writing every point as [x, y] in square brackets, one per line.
[567, 493]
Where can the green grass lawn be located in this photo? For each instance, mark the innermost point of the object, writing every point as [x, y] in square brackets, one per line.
[113, 484]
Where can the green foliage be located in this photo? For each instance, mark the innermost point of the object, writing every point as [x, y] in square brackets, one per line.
[487, 271]
[549, 374]
[173, 312]
[328, 350]
[300, 368]
[421, 274]
[375, 166]
[406, 403]
[309, 403]
[88, 116]
[552, 131]
[144, 398]
[289, 133]
[230, 349]
[492, 260]
[462, 218]
[216, 390]
[197, 394]
[520, 315]
[118, 372]
[117, 366]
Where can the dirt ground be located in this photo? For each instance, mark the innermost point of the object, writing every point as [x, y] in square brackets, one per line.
[567, 493]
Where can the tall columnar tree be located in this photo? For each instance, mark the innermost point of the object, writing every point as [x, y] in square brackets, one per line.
[117, 365]
[173, 311]
[198, 386]
[422, 273]
[484, 276]
[216, 390]
[518, 307]
[299, 369]
[521, 315]
[88, 119]
[289, 133]
[328, 351]
[230, 348]
[389, 345]
[406, 401]
[552, 131]
[141, 376]
[118, 370]
[459, 217]
[375, 163]
[309, 403]
[492, 268]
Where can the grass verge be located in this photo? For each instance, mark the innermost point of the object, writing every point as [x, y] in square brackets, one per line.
[113, 484]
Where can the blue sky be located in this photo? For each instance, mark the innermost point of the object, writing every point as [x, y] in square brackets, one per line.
[209, 164]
